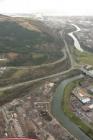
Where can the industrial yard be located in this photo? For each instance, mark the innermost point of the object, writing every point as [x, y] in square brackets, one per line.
[81, 100]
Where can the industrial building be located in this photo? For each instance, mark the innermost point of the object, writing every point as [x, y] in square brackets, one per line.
[84, 98]
[81, 94]
[88, 70]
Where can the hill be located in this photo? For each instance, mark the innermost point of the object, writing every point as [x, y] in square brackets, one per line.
[23, 42]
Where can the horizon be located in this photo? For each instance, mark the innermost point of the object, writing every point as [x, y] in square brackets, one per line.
[53, 7]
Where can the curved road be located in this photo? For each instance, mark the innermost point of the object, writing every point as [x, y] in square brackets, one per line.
[42, 65]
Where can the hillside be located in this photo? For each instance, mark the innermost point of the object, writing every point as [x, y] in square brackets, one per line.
[23, 43]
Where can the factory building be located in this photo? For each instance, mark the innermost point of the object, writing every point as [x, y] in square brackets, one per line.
[81, 94]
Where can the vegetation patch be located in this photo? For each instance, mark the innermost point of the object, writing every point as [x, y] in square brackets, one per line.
[82, 57]
[22, 46]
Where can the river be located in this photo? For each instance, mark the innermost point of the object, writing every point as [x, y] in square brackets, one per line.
[58, 113]
[76, 42]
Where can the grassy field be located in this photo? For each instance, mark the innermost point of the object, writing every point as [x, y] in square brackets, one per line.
[21, 75]
[70, 114]
[11, 94]
[82, 57]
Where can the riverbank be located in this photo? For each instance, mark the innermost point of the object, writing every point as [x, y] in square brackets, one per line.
[67, 110]
[58, 112]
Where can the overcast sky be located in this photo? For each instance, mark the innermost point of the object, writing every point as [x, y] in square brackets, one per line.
[58, 7]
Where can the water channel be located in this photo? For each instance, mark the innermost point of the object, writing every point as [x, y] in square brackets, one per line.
[76, 42]
[58, 112]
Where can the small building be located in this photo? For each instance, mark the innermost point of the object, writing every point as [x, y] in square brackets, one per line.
[51, 84]
[81, 94]
[85, 100]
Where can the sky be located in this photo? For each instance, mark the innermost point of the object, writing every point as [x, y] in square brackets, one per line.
[52, 7]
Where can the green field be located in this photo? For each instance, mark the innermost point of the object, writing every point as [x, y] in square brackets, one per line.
[82, 57]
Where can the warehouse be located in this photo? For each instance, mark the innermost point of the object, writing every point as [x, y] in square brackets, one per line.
[81, 95]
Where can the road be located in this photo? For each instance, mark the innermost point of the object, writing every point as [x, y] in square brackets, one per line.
[73, 63]
[42, 65]
[86, 72]
[36, 80]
